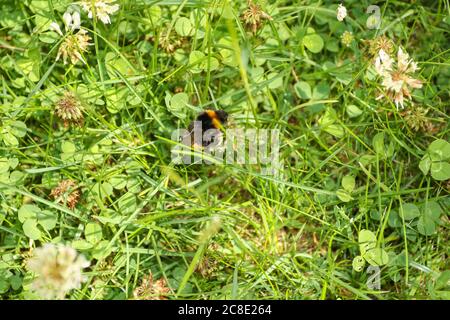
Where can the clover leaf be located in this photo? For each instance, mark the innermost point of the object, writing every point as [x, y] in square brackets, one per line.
[436, 161]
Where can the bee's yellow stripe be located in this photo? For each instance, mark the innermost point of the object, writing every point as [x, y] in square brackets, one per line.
[214, 119]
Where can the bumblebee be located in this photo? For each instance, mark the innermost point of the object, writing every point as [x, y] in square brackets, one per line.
[206, 120]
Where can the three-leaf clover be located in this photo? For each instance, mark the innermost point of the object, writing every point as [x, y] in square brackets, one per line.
[370, 253]
[31, 216]
[312, 41]
[348, 185]
[11, 131]
[328, 123]
[436, 160]
[428, 216]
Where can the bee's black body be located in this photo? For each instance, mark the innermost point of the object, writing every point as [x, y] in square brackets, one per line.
[210, 119]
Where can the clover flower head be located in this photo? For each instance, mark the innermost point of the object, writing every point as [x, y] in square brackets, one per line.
[73, 46]
[397, 75]
[152, 290]
[374, 46]
[101, 9]
[253, 17]
[72, 21]
[66, 192]
[58, 269]
[347, 38]
[341, 12]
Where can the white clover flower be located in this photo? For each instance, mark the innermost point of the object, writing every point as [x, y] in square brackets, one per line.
[347, 38]
[405, 63]
[58, 269]
[341, 12]
[55, 27]
[74, 44]
[101, 9]
[383, 62]
[72, 21]
[396, 77]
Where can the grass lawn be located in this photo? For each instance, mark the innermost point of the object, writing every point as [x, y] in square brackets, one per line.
[353, 202]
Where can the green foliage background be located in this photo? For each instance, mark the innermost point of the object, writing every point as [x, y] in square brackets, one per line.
[354, 190]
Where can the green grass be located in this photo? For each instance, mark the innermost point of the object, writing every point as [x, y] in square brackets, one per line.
[292, 236]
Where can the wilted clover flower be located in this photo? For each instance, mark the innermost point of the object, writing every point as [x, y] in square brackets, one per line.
[168, 42]
[151, 290]
[58, 270]
[374, 46]
[73, 47]
[69, 109]
[100, 9]
[209, 264]
[66, 192]
[253, 15]
[416, 118]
